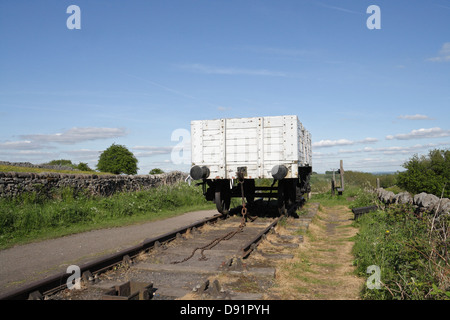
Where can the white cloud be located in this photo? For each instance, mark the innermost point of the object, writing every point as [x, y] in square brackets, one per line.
[341, 142]
[395, 149]
[443, 55]
[148, 151]
[19, 145]
[200, 68]
[415, 117]
[83, 153]
[421, 134]
[25, 155]
[368, 140]
[75, 135]
[332, 143]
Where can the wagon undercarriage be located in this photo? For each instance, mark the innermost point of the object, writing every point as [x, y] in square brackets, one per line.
[288, 192]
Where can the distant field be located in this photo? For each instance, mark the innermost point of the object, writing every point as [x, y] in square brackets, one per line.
[322, 182]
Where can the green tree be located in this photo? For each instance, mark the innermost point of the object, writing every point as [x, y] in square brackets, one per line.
[61, 162]
[83, 167]
[117, 159]
[427, 173]
[156, 171]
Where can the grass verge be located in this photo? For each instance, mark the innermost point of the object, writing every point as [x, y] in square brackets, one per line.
[412, 258]
[32, 216]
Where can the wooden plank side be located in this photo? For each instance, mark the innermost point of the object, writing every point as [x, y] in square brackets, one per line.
[211, 124]
[259, 143]
[276, 121]
[213, 134]
[196, 142]
[223, 149]
[260, 152]
[301, 144]
[242, 123]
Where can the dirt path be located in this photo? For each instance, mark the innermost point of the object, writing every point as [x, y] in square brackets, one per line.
[322, 265]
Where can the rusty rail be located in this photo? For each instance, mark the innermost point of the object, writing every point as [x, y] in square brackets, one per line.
[249, 246]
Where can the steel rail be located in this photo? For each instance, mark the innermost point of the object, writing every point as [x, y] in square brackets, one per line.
[249, 246]
[58, 281]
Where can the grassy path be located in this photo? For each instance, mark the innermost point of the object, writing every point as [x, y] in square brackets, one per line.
[322, 266]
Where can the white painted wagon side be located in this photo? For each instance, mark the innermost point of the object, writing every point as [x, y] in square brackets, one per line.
[259, 144]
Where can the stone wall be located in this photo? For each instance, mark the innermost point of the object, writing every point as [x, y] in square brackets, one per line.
[15, 183]
[422, 202]
[30, 165]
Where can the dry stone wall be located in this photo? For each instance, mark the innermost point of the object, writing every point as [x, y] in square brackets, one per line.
[41, 166]
[15, 183]
[422, 202]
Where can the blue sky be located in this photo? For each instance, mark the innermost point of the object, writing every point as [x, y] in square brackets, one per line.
[137, 71]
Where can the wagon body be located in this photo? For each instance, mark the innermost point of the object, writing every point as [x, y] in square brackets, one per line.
[257, 144]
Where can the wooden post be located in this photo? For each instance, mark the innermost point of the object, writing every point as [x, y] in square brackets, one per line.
[333, 183]
[342, 175]
[378, 183]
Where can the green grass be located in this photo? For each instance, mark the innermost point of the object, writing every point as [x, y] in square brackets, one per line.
[413, 260]
[32, 216]
[353, 196]
[400, 244]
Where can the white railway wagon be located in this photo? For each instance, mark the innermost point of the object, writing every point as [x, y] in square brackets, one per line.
[245, 149]
[259, 144]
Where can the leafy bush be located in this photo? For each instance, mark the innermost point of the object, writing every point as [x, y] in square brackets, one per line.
[62, 162]
[427, 173]
[363, 199]
[82, 166]
[156, 171]
[412, 263]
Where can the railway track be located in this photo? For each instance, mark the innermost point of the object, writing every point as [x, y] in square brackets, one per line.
[186, 263]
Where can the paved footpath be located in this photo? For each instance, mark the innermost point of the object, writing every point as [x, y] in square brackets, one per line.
[24, 264]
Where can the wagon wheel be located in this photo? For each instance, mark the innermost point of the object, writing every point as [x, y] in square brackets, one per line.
[222, 200]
